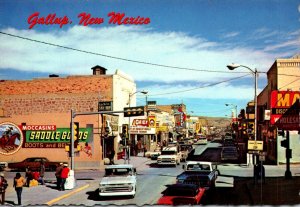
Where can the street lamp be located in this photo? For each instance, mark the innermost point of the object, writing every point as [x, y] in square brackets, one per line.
[254, 72]
[235, 107]
[129, 102]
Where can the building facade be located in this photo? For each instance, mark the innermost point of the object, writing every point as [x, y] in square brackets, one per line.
[283, 76]
[48, 102]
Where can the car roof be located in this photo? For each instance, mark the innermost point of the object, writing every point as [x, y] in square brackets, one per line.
[36, 158]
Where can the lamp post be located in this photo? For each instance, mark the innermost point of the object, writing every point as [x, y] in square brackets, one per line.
[254, 72]
[129, 103]
[235, 107]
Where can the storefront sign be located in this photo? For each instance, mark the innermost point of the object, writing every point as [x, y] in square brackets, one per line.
[140, 122]
[162, 129]
[281, 102]
[142, 130]
[11, 138]
[152, 121]
[60, 135]
[38, 127]
[151, 106]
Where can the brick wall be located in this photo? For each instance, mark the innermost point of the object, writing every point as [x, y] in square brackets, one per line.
[80, 93]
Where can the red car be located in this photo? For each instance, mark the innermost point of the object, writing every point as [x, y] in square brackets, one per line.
[34, 164]
[181, 194]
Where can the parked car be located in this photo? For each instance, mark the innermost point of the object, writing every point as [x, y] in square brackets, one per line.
[154, 155]
[229, 153]
[3, 165]
[119, 180]
[33, 163]
[181, 194]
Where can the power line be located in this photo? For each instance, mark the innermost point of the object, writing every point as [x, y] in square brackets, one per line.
[117, 58]
[128, 60]
[209, 85]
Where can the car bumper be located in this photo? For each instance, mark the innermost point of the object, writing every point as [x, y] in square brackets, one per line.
[132, 193]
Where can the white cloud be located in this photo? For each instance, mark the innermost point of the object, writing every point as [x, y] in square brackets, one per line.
[231, 34]
[133, 43]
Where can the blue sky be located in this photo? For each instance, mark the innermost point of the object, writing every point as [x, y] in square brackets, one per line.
[198, 38]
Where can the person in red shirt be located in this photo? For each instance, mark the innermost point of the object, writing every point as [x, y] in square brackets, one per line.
[64, 175]
[36, 175]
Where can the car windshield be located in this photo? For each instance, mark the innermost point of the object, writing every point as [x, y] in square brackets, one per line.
[118, 172]
[168, 152]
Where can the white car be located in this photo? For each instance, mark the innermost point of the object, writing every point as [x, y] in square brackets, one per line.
[169, 156]
[119, 180]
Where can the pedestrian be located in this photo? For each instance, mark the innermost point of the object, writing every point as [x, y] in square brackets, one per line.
[145, 150]
[3, 186]
[19, 182]
[42, 173]
[58, 175]
[64, 175]
[28, 176]
[111, 157]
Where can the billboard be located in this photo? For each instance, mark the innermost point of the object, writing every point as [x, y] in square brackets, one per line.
[281, 102]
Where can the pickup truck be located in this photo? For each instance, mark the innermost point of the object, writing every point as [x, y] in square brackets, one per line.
[169, 156]
[200, 173]
[119, 180]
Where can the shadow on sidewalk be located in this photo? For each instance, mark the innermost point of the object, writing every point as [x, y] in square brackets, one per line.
[275, 191]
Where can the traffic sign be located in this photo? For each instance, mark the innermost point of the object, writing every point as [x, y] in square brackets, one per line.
[255, 145]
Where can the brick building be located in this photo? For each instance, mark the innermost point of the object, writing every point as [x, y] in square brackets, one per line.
[48, 101]
[282, 76]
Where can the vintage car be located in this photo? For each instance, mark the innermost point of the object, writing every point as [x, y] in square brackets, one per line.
[181, 194]
[169, 156]
[229, 153]
[119, 180]
[33, 163]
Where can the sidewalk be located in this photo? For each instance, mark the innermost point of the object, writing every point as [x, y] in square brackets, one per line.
[30, 196]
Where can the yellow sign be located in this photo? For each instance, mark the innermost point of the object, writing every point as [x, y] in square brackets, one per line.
[152, 121]
[255, 145]
[162, 129]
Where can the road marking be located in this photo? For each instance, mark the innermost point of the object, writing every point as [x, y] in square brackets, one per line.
[49, 203]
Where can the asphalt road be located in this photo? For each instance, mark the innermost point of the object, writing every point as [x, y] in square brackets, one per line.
[234, 187]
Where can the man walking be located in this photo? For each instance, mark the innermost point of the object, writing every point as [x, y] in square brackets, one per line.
[58, 175]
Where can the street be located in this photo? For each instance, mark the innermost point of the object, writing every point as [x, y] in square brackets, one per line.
[234, 186]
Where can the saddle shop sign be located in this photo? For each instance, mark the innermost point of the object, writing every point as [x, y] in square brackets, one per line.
[285, 109]
[48, 136]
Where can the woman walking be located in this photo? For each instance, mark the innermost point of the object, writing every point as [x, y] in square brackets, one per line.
[19, 182]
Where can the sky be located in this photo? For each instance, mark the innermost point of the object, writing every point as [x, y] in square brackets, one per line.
[179, 55]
